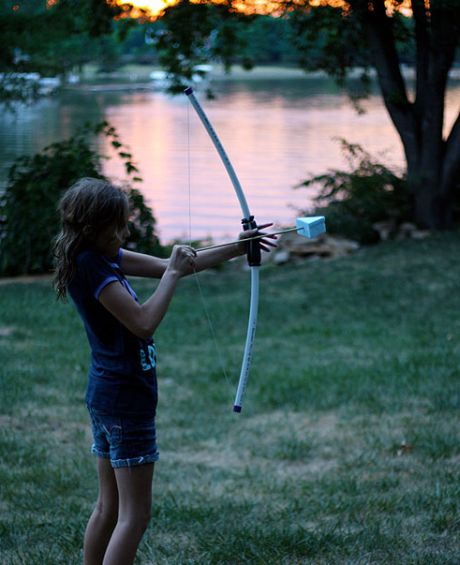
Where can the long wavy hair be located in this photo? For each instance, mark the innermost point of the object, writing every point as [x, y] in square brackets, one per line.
[87, 208]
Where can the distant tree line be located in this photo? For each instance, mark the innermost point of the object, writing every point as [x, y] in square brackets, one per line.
[52, 39]
[69, 34]
[259, 40]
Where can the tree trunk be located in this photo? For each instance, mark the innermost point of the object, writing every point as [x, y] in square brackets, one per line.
[432, 210]
[433, 165]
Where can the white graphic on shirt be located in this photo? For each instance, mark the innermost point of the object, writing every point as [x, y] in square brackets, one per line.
[148, 361]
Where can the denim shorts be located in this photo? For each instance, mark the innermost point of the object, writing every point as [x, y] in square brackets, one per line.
[126, 440]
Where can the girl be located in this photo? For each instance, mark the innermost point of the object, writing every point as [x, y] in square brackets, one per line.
[122, 388]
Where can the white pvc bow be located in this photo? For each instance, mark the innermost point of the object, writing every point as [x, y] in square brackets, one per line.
[247, 217]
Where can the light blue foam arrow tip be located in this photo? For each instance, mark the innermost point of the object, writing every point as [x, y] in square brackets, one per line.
[311, 226]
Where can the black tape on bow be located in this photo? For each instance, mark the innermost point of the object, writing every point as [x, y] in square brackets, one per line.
[253, 253]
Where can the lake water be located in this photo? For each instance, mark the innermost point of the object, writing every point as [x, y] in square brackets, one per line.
[276, 132]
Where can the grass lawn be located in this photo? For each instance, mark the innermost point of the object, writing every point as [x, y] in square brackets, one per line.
[347, 449]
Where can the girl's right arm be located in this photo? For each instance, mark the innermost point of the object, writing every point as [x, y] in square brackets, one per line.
[142, 265]
[143, 319]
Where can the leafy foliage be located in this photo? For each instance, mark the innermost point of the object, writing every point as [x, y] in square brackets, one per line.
[355, 200]
[142, 236]
[50, 40]
[330, 40]
[190, 34]
[28, 209]
[325, 43]
[181, 40]
[270, 41]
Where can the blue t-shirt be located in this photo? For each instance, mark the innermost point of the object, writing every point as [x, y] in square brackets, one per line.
[122, 375]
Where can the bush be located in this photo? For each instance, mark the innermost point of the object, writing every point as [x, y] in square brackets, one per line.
[28, 208]
[354, 201]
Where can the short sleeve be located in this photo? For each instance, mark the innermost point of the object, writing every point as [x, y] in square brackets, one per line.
[96, 273]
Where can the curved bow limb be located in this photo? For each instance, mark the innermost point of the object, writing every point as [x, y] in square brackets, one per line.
[253, 252]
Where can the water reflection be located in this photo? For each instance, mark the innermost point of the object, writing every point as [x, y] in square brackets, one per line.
[275, 132]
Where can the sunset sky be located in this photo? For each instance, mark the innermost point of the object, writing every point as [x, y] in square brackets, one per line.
[254, 6]
[153, 6]
[156, 6]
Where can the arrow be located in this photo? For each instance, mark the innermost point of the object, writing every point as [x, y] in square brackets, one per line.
[310, 227]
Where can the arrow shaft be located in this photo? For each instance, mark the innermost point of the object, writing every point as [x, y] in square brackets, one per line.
[218, 245]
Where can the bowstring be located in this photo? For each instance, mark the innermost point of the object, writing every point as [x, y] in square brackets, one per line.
[195, 273]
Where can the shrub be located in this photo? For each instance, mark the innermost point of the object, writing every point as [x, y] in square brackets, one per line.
[354, 201]
[28, 208]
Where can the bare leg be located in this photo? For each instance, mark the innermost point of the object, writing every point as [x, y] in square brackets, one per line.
[135, 502]
[104, 517]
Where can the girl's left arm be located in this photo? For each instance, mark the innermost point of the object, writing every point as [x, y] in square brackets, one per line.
[212, 257]
[140, 265]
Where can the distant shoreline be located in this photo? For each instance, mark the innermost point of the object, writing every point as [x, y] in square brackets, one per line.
[135, 76]
[142, 72]
[138, 77]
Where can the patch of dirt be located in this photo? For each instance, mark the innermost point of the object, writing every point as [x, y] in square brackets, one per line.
[258, 440]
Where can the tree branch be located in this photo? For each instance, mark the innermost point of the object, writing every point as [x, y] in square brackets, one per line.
[451, 167]
[378, 26]
[423, 42]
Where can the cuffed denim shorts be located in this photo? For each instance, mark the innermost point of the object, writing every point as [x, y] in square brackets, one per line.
[126, 440]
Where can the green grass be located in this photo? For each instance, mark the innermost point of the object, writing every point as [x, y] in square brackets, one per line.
[347, 449]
